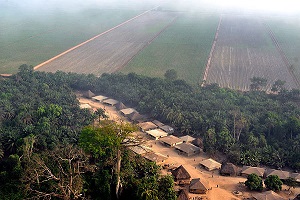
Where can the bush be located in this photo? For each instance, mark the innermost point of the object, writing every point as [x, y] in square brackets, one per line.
[254, 182]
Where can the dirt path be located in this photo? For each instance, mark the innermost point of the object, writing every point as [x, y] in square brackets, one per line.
[222, 186]
[211, 52]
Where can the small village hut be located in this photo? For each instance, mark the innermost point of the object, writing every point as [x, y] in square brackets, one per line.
[210, 164]
[268, 195]
[199, 186]
[183, 195]
[229, 169]
[181, 175]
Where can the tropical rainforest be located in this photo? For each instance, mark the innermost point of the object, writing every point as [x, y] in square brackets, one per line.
[49, 147]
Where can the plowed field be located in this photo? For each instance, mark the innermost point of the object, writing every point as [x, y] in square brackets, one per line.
[112, 50]
[244, 49]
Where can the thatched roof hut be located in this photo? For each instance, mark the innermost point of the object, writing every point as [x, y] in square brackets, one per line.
[210, 164]
[247, 170]
[198, 142]
[180, 173]
[136, 117]
[120, 106]
[89, 94]
[199, 186]
[283, 175]
[229, 169]
[270, 195]
[183, 195]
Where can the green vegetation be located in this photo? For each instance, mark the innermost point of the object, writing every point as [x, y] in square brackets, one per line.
[254, 182]
[184, 46]
[273, 182]
[34, 37]
[41, 127]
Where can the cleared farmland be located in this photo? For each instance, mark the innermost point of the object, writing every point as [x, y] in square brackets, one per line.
[33, 37]
[112, 50]
[287, 34]
[243, 50]
[183, 46]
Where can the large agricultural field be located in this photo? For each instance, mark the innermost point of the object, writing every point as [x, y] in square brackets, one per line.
[28, 37]
[184, 46]
[112, 50]
[286, 31]
[244, 49]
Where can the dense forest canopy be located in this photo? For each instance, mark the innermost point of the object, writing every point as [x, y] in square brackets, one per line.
[41, 122]
[40, 156]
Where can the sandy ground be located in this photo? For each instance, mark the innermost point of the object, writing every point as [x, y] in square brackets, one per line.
[222, 186]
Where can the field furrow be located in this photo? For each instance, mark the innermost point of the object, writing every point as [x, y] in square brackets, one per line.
[245, 49]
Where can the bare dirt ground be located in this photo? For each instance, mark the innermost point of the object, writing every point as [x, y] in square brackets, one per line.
[222, 187]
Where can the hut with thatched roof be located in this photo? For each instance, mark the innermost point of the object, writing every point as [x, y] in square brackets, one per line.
[269, 195]
[229, 169]
[127, 111]
[183, 195]
[120, 106]
[181, 176]
[283, 175]
[88, 94]
[199, 186]
[187, 138]
[295, 176]
[136, 117]
[210, 164]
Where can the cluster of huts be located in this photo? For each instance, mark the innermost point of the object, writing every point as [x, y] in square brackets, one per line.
[159, 131]
[183, 178]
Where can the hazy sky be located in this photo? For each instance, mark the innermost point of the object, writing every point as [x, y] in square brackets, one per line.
[280, 6]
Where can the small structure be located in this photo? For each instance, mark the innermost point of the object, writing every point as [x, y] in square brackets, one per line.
[199, 186]
[157, 133]
[85, 106]
[283, 175]
[157, 123]
[141, 149]
[120, 106]
[183, 195]
[198, 142]
[187, 149]
[187, 139]
[181, 176]
[229, 169]
[99, 98]
[158, 158]
[127, 111]
[247, 170]
[136, 117]
[146, 126]
[210, 164]
[88, 94]
[267, 195]
[167, 129]
[171, 140]
[110, 102]
[295, 176]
